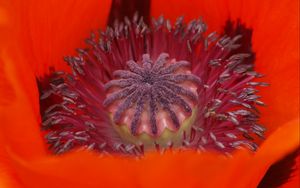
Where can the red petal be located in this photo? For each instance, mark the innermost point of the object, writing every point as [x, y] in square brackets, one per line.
[19, 128]
[46, 31]
[185, 169]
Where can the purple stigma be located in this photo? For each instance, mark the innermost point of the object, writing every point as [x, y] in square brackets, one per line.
[155, 84]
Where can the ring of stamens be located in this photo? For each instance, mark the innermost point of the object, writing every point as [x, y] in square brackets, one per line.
[224, 108]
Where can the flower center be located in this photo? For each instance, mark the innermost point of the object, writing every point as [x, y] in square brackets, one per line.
[149, 90]
[137, 87]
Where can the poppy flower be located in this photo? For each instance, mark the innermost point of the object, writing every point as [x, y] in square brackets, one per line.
[98, 133]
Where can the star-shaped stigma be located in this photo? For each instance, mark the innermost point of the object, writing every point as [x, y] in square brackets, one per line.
[152, 87]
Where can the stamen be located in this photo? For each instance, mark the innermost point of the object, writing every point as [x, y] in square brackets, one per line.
[136, 88]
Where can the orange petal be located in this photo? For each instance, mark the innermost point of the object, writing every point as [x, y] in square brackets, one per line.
[275, 42]
[279, 144]
[46, 31]
[278, 57]
[184, 169]
[19, 116]
[283, 141]
[82, 169]
[6, 179]
[19, 98]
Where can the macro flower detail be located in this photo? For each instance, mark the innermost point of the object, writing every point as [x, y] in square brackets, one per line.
[137, 87]
[48, 82]
[155, 84]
